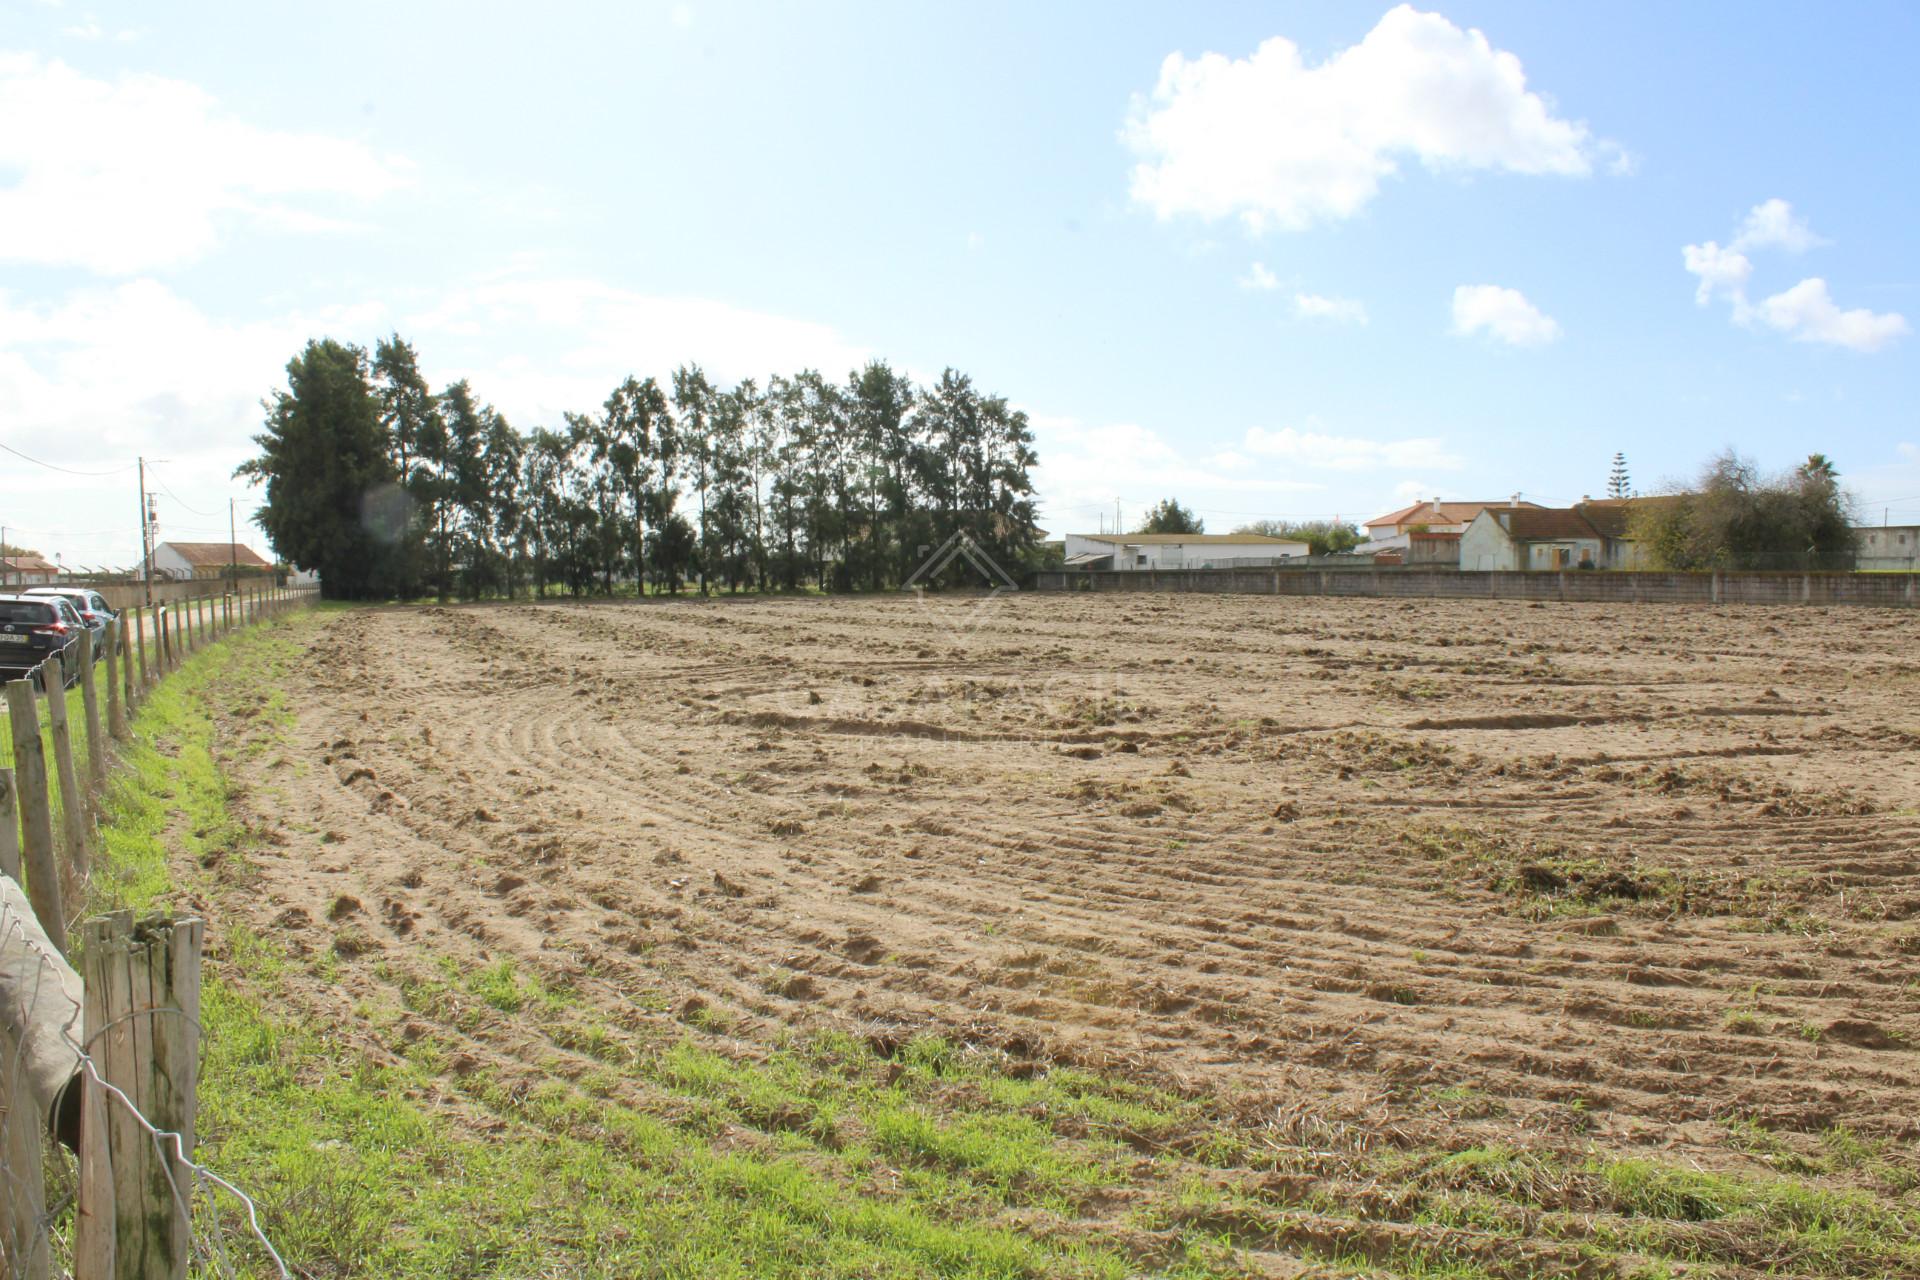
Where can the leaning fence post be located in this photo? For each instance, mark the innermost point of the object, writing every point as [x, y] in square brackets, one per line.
[90, 705]
[73, 804]
[23, 1230]
[36, 811]
[9, 827]
[143, 1033]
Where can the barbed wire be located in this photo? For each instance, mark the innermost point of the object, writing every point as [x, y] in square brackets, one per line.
[206, 1231]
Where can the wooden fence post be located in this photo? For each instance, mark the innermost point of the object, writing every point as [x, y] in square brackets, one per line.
[125, 652]
[90, 705]
[23, 1234]
[140, 643]
[116, 671]
[73, 803]
[36, 811]
[9, 827]
[143, 1034]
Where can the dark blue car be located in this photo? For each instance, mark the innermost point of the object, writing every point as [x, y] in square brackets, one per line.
[36, 628]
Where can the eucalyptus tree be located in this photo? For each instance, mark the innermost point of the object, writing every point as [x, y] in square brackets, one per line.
[727, 537]
[410, 416]
[693, 400]
[880, 407]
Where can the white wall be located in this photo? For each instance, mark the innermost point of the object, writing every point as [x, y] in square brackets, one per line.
[1895, 547]
[1178, 555]
[1486, 546]
[170, 562]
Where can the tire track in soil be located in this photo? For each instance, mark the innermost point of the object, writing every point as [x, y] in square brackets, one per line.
[695, 799]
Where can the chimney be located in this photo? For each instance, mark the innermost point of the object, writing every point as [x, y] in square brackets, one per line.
[1514, 501]
[1436, 506]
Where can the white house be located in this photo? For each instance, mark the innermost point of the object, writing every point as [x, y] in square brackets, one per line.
[1177, 550]
[205, 560]
[1509, 538]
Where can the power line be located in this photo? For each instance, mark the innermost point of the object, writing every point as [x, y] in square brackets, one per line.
[68, 470]
[176, 497]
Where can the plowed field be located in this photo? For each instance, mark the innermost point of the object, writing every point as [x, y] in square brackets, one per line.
[1449, 920]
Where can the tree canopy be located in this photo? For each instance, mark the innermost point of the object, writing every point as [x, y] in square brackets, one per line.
[1323, 537]
[388, 488]
[1168, 516]
[1737, 517]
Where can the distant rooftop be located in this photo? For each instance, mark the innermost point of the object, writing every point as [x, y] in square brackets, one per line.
[1186, 539]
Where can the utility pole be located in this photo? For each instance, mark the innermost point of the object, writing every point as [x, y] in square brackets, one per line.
[146, 532]
[233, 552]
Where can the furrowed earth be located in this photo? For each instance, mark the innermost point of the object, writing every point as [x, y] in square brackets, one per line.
[1408, 938]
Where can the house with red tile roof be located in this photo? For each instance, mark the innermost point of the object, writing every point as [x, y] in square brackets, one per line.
[1589, 535]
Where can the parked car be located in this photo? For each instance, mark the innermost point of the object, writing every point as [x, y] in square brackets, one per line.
[90, 605]
[34, 629]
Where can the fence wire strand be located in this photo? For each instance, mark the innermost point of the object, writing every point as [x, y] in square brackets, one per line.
[204, 1201]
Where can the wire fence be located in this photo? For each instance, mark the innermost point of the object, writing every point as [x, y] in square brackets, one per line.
[98, 1067]
[42, 1178]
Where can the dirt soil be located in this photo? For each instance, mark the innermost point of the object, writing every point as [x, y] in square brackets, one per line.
[1566, 875]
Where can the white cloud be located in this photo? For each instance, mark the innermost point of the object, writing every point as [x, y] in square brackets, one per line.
[1807, 313]
[1317, 448]
[1908, 450]
[139, 173]
[1258, 277]
[1083, 466]
[1413, 489]
[1772, 224]
[1283, 144]
[681, 15]
[1721, 271]
[1312, 306]
[1501, 313]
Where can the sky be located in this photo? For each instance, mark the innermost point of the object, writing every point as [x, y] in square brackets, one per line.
[1281, 260]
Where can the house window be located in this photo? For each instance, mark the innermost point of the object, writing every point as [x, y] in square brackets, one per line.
[1141, 561]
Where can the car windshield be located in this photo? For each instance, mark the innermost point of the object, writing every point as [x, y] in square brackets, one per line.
[25, 613]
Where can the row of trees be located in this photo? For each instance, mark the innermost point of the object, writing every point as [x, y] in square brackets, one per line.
[390, 489]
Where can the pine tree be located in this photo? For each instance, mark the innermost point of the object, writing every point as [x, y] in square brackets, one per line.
[1619, 485]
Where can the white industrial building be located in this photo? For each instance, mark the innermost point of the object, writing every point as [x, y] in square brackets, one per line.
[1887, 547]
[1178, 550]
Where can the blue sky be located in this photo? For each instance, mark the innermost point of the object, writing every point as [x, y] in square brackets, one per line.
[1405, 253]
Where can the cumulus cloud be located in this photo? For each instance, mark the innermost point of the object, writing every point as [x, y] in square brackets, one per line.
[1808, 313]
[1772, 224]
[138, 173]
[1501, 313]
[1281, 143]
[1313, 306]
[1258, 277]
[1721, 271]
[1804, 313]
[1316, 447]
